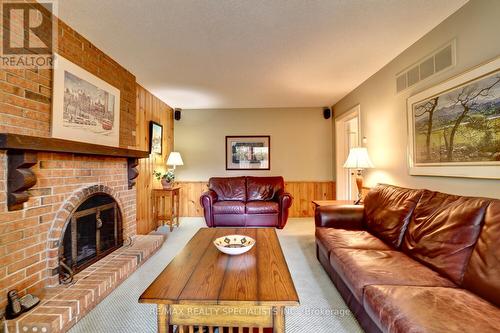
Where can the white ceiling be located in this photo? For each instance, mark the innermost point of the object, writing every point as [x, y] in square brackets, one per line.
[253, 53]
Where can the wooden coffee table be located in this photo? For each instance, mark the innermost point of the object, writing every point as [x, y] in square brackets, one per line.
[205, 288]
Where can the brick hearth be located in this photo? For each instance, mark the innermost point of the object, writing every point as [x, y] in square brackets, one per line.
[63, 306]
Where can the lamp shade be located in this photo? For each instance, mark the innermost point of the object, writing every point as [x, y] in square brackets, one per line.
[358, 159]
[174, 159]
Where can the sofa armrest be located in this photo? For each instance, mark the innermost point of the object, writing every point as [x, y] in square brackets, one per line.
[340, 216]
[207, 200]
[285, 202]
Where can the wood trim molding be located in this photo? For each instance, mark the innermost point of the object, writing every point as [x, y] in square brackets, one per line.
[33, 143]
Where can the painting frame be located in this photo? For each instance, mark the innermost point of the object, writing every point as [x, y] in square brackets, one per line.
[85, 108]
[155, 127]
[461, 169]
[251, 141]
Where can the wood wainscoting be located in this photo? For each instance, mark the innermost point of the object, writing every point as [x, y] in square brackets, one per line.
[149, 108]
[303, 192]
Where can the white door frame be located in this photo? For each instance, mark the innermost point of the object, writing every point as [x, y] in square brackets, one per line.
[343, 176]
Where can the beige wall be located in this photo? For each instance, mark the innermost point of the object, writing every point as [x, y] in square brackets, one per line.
[475, 27]
[301, 141]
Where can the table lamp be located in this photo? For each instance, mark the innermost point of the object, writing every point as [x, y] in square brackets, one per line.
[358, 159]
[174, 159]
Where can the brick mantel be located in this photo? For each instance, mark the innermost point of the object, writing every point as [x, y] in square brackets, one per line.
[26, 249]
[21, 157]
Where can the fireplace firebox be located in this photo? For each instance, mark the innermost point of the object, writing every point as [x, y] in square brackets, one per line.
[93, 231]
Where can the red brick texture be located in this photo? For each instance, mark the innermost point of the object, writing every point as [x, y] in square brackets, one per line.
[26, 95]
[63, 306]
[29, 238]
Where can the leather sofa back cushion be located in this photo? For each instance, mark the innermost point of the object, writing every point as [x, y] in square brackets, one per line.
[264, 188]
[482, 275]
[228, 188]
[443, 231]
[387, 211]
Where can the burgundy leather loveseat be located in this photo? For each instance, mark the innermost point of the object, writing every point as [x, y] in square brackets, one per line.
[246, 202]
[415, 260]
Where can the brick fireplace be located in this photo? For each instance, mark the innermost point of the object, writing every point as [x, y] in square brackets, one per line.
[68, 186]
[33, 219]
[31, 237]
[92, 228]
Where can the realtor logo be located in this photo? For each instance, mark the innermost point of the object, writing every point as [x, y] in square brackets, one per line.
[29, 34]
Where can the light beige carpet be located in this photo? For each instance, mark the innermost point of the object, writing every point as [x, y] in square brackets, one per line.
[322, 308]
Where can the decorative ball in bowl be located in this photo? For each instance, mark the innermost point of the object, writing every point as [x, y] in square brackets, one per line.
[234, 244]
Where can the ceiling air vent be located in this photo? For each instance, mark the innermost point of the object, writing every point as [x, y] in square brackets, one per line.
[439, 60]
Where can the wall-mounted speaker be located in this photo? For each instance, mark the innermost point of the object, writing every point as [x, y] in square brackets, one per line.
[327, 112]
[177, 114]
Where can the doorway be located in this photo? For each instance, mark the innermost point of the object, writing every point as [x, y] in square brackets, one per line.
[347, 136]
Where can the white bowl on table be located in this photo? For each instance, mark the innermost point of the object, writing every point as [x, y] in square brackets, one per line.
[234, 244]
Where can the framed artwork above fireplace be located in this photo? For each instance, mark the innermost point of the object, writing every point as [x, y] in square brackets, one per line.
[85, 108]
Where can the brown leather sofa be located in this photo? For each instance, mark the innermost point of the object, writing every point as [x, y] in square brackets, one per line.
[415, 260]
[246, 202]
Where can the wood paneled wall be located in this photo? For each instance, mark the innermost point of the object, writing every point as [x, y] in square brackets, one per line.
[150, 108]
[305, 192]
[302, 192]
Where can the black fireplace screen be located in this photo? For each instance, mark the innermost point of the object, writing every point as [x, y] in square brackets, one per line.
[92, 232]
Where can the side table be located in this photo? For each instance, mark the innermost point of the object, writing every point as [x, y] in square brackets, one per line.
[166, 207]
[318, 203]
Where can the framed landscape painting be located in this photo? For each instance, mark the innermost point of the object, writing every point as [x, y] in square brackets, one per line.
[248, 152]
[85, 108]
[155, 138]
[454, 127]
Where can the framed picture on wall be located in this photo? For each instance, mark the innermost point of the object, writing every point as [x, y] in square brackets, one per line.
[454, 127]
[155, 138]
[248, 152]
[85, 108]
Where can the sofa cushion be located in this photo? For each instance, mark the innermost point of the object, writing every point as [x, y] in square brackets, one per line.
[482, 275]
[388, 210]
[264, 188]
[443, 231]
[229, 207]
[361, 268]
[355, 239]
[402, 309]
[262, 207]
[228, 188]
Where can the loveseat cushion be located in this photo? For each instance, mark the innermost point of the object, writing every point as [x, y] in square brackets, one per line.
[228, 188]
[482, 275]
[229, 207]
[262, 207]
[388, 210]
[361, 268]
[353, 239]
[402, 309]
[264, 188]
[443, 231]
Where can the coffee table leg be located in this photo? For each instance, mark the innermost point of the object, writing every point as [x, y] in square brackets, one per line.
[279, 319]
[163, 324]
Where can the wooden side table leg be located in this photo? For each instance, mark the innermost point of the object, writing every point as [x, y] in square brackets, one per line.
[279, 319]
[171, 212]
[155, 210]
[163, 322]
[177, 207]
